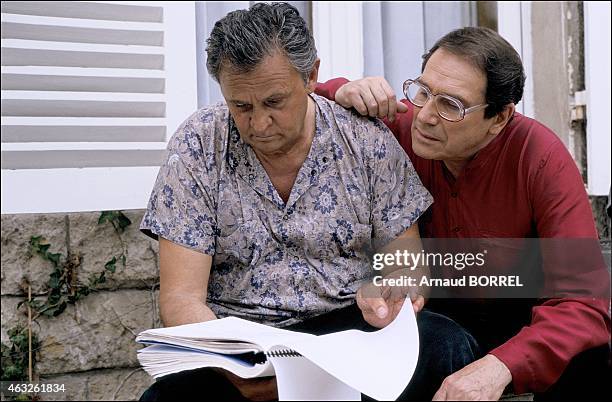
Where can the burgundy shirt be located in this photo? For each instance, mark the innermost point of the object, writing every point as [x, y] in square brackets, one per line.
[523, 184]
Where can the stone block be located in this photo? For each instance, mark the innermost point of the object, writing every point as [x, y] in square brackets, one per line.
[97, 332]
[18, 262]
[94, 244]
[125, 384]
[99, 243]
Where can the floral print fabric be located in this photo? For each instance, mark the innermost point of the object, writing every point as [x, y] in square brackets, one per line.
[280, 263]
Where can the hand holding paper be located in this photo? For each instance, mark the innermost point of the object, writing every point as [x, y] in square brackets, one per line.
[381, 304]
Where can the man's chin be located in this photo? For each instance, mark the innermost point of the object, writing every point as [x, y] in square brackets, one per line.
[423, 151]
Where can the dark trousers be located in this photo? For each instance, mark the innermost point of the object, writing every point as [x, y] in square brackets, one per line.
[586, 378]
[445, 347]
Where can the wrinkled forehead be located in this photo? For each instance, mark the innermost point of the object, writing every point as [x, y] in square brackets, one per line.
[274, 74]
[454, 74]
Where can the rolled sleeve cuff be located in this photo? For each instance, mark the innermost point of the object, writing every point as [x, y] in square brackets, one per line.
[518, 363]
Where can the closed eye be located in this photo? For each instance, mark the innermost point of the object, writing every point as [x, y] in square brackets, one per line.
[274, 102]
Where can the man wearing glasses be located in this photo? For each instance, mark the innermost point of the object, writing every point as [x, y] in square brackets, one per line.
[497, 174]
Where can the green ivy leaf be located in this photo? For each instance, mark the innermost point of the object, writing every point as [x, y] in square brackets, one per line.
[111, 265]
[123, 220]
[117, 218]
[105, 216]
[54, 258]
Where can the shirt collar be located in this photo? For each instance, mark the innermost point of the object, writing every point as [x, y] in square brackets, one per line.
[242, 159]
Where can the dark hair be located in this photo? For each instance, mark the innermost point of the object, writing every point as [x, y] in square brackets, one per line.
[494, 56]
[243, 38]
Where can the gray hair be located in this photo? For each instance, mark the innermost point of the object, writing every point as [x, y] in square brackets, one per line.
[243, 38]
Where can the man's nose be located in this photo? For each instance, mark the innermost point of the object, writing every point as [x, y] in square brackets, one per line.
[260, 121]
[429, 113]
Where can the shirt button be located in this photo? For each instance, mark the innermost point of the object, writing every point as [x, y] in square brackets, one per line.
[457, 229]
[325, 159]
[285, 217]
[313, 172]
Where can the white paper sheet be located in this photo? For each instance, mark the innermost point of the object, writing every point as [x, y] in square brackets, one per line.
[379, 364]
[298, 379]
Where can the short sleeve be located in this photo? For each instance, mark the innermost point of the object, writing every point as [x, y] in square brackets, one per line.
[182, 205]
[398, 196]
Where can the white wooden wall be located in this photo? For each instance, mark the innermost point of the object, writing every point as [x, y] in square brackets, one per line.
[598, 95]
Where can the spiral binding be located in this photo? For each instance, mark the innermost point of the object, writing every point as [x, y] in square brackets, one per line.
[283, 353]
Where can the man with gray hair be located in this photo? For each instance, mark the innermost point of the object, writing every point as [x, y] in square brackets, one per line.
[267, 204]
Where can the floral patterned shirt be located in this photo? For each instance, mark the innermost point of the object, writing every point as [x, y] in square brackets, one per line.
[274, 262]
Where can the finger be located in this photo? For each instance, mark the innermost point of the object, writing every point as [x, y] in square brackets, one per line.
[373, 304]
[418, 304]
[359, 104]
[381, 99]
[379, 307]
[401, 107]
[392, 101]
[370, 102]
[360, 302]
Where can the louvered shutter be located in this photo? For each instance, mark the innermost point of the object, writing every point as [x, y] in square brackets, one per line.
[91, 92]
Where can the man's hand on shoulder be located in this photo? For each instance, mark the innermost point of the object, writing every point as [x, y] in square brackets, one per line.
[372, 96]
[483, 380]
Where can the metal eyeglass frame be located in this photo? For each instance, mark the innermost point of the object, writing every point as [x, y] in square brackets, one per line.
[463, 111]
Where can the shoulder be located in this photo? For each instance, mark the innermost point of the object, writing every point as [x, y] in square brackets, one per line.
[534, 142]
[347, 118]
[202, 136]
[363, 133]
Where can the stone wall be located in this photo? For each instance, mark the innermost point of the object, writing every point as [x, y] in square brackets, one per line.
[90, 346]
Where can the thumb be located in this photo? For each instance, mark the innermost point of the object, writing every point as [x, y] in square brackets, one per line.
[401, 107]
[379, 306]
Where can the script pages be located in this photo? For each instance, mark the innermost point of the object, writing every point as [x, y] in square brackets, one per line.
[337, 366]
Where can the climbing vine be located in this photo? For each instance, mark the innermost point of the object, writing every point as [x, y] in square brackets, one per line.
[62, 288]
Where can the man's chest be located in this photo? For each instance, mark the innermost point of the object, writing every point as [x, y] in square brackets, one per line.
[328, 218]
[485, 205]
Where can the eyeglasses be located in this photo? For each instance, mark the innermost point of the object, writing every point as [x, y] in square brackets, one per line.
[448, 108]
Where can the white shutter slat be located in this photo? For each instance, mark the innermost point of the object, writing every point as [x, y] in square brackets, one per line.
[82, 23]
[83, 96]
[79, 129]
[89, 10]
[83, 72]
[82, 35]
[89, 95]
[80, 159]
[81, 155]
[83, 133]
[81, 47]
[78, 146]
[80, 121]
[44, 57]
[80, 108]
[40, 82]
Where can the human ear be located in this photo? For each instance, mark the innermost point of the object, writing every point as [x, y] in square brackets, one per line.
[502, 119]
[313, 77]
